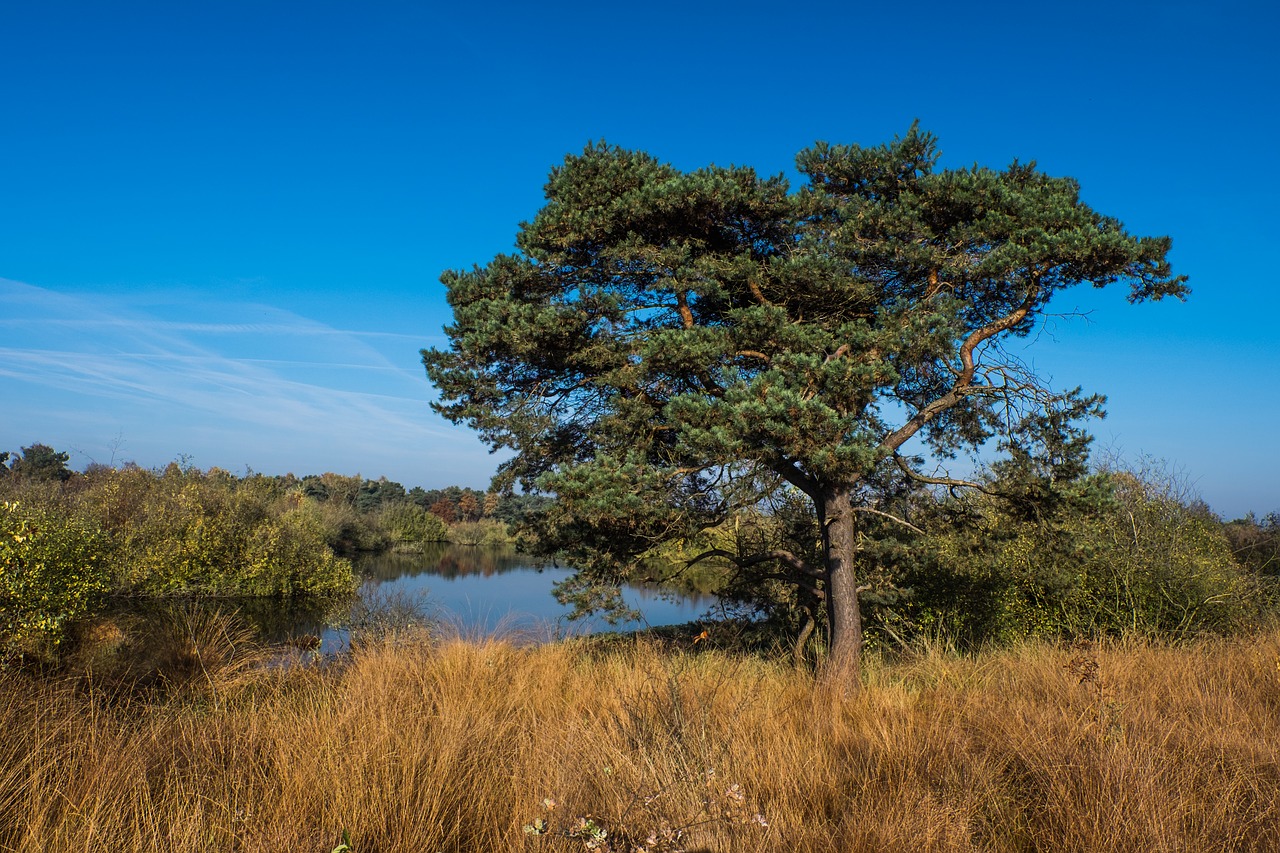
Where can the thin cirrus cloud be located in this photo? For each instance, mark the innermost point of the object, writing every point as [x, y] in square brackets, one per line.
[282, 390]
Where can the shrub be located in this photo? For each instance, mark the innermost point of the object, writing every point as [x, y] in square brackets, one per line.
[52, 569]
[287, 556]
[1141, 561]
[1163, 565]
[349, 532]
[186, 532]
[1256, 543]
[409, 524]
[483, 532]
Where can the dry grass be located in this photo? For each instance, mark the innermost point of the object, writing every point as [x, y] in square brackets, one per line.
[448, 745]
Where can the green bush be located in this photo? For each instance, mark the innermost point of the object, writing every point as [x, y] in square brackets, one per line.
[1163, 566]
[52, 570]
[484, 532]
[349, 532]
[287, 556]
[186, 532]
[1139, 561]
[409, 524]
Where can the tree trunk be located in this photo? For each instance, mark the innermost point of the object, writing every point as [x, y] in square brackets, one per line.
[844, 617]
[797, 650]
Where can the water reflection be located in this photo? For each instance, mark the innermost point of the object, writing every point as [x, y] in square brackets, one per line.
[477, 591]
[488, 590]
[445, 560]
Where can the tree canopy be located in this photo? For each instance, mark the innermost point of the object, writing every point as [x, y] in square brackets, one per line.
[668, 348]
[41, 462]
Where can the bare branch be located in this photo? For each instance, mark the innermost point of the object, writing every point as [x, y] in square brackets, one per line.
[686, 316]
[901, 521]
[757, 292]
[940, 481]
[841, 352]
[935, 286]
[791, 472]
[817, 593]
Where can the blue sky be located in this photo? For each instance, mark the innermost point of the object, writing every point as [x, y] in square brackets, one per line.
[222, 225]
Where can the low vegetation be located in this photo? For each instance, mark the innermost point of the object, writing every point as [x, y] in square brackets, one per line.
[72, 541]
[1111, 552]
[54, 569]
[68, 544]
[417, 742]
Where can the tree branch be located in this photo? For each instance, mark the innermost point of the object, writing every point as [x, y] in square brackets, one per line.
[791, 472]
[819, 594]
[840, 352]
[757, 293]
[682, 302]
[964, 378]
[901, 521]
[777, 555]
[941, 481]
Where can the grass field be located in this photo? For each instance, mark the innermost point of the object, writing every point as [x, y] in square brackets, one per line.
[418, 743]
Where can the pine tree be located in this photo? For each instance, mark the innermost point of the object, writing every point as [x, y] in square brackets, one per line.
[670, 348]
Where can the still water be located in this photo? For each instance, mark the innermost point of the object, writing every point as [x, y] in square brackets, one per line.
[486, 590]
[474, 591]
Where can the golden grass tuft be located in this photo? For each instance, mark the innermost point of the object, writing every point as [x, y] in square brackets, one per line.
[429, 744]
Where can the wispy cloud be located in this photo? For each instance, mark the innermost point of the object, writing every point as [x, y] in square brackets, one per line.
[302, 328]
[302, 393]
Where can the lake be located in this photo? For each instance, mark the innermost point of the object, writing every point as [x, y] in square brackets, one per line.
[482, 591]
[473, 591]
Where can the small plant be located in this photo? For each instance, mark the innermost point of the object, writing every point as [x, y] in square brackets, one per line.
[1107, 710]
[723, 807]
[379, 617]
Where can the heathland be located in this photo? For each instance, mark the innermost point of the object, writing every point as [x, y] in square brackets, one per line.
[422, 742]
[1100, 675]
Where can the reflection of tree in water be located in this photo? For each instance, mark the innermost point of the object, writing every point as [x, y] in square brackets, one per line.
[282, 621]
[646, 593]
[444, 560]
[449, 561]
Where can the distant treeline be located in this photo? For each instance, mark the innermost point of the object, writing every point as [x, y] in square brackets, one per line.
[373, 515]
